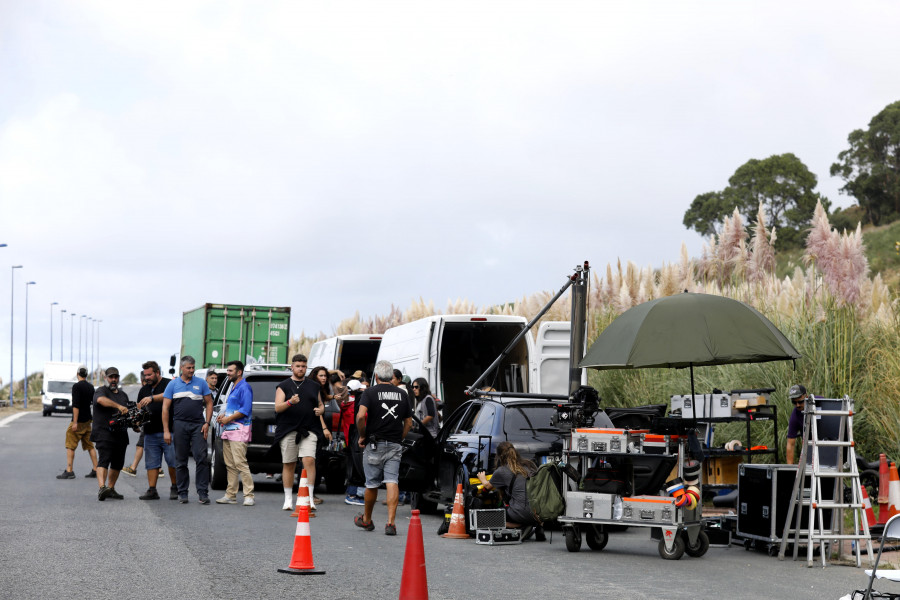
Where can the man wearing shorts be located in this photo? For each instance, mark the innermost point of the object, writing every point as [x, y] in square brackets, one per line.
[297, 426]
[155, 447]
[187, 405]
[80, 429]
[109, 401]
[383, 421]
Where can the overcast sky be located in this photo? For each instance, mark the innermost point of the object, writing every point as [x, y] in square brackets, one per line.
[345, 156]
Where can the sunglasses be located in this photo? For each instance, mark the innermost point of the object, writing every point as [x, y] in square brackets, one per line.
[415, 387]
[798, 402]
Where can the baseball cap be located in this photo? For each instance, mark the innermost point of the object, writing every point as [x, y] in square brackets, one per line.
[407, 380]
[358, 374]
[112, 371]
[797, 390]
[354, 385]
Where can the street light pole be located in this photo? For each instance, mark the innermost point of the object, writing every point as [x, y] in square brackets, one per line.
[62, 318]
[12, 300]
[98, 350]
[52, 304]
[71, 334]
[25, 384]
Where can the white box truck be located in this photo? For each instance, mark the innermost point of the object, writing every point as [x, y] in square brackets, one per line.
[349, 353]
[452, 351]
[56, 393]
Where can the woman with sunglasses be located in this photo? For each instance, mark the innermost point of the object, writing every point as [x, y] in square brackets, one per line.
[426, 407]
[795, 424]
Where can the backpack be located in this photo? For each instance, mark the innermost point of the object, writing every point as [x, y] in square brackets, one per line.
[544, 496]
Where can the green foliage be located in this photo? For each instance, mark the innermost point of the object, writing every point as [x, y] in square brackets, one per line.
[846, 219]
[870, 167]
[130, 379]
[881, 247]
[784, 186]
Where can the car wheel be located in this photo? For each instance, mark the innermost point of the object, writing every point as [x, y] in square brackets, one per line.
[218, 478]
[700, 548]
[417, 502]
[595, 538]
[46, 413]
[677, 549]
[573, 539]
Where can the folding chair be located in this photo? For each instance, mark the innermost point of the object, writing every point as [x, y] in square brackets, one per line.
[892, 531]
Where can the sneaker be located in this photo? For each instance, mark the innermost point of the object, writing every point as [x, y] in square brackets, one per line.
[226, 500]
[249, 501]
[183, 499]
[354, 500]
[204, 500]
[358, 521]
[162, 474]
[92, 474]
[287, 505]
[103, 494]
[173, 493]
[269, 476]
[317, 500]
[128, 470]
[66, 475]
[115, 495]
[150, 494]
[390, 529]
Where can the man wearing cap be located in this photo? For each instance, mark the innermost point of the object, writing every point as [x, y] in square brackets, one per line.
[109, 401]
[188, 400]
[80, 429]
[795, 424]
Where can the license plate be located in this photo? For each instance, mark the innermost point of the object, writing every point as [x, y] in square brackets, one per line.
[271, 429]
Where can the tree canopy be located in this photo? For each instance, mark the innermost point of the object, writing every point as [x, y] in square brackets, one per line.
[781, 183]
[870, 167]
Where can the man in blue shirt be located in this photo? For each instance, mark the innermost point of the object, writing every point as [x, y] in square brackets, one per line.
[187, 398]
[235, 422]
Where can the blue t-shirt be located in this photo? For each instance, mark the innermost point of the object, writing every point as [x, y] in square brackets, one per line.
[187, 399]
[239, 400]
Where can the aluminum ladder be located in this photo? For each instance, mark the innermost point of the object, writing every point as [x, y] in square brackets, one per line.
[821, 476]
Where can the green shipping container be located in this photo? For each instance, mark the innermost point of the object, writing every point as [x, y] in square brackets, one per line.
[215, 334]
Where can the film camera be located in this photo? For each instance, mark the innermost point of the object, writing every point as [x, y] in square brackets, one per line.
[578, 413]
[133, 419]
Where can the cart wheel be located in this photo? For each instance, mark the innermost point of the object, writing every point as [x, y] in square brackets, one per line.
[677, 550]
[773, 550]
[748, 544]
[698, 549]
[573, 539]
[596, 538]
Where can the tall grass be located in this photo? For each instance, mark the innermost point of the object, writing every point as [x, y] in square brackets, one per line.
[844, 323]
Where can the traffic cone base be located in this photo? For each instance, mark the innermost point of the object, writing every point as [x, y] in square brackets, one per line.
[302, 558]
[458, 520]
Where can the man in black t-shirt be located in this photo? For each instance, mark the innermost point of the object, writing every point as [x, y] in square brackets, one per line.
[80, 429]
[109, 401]
[155, 447]
[383, 421]
[297, 426]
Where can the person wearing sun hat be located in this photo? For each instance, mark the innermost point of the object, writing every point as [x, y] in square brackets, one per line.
[798, 397]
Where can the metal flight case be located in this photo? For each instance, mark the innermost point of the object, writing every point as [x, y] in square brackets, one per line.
[610, 480]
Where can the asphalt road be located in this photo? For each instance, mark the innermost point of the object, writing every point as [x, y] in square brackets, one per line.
[58, 541]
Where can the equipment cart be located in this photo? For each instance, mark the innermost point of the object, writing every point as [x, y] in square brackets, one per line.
[612, 478]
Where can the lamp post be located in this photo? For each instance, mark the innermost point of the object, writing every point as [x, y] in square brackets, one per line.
[12, 300]
[25, 384]
[97, 341]
[62, 316]
[52, 304]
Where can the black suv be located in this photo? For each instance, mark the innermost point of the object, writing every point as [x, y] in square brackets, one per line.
[431, 468]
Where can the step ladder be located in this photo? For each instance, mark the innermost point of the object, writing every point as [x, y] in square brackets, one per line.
[835, 471]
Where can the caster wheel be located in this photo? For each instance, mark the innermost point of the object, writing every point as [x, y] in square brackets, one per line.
[595, 538]
[698, 549]
[677, 549]
[573, 539]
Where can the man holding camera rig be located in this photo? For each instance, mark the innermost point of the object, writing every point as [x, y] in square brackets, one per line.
[109, 401]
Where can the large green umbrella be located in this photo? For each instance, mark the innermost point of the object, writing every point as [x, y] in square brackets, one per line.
[688, 330]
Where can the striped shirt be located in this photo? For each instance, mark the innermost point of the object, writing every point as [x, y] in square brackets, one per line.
[187, 399]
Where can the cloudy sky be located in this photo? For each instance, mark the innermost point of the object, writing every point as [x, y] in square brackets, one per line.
[344, 156]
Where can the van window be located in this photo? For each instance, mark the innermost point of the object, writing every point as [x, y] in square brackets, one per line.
[469, 419]
[358, 355]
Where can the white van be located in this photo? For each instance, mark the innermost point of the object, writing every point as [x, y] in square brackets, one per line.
[56, 392]
[452, 351]
[348, 353]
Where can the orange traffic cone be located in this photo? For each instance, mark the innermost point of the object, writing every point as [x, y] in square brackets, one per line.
[867, 505]
[458, 520]
[414, 584]
[302, 558]
[884, 481]
[894, 492]
[303, 496]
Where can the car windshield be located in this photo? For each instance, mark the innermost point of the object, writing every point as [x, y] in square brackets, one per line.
[530, 421]
[264, 388]
[60, 387]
